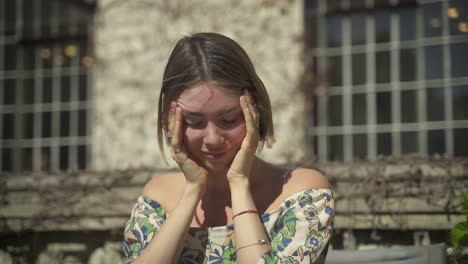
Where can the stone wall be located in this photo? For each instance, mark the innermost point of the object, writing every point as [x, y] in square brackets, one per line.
[78, 216]
[133, 42]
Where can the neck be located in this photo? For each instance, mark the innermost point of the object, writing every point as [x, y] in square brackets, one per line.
[218, 183]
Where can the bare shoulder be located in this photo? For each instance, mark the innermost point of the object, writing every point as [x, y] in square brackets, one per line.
[165, 189]
[304, 178]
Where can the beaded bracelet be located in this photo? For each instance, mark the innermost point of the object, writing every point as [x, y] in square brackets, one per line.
[245, 212]
[259, 242]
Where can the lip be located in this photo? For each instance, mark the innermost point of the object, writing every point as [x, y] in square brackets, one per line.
[214, 155]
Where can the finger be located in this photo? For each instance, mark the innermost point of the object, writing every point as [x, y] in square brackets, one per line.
[171, 118]
[253, 111]
[176, 142]
[249, 122]
[176, 128]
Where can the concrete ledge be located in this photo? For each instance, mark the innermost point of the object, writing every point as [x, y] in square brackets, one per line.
[386, 194]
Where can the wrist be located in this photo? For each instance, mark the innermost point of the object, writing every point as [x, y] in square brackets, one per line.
[240, 185]
[194, 190]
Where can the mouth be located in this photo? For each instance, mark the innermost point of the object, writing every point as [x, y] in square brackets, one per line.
[214, 155]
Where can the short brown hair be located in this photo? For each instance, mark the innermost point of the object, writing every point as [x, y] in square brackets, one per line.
[216, 59]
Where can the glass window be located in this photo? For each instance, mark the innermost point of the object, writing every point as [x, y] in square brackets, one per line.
[384, 107]
[436, 142]
[461, 141]
[382, 67]
[315, 145]
[460, 102]
[28, 91]
[7, 159]
[434, 62]
[28, 125]
[83, 89]
[47, 57]
[409, 142]
[65, 88]
[27, 159]
[82, 157]
[29, 57]
[382, 26]
[81, 123]
[458, 17]
[47, 90]
[334, 31]
[10, 17]
[334, 71]
[407, 23]
[335, 111]
[359, 109]
[9, 57]
[46, 124]
[358, 28]
[8, 126]
[45, 158]
[459, 53]
[408, 106]
[65, 123]
[335, 147]
[9, 91]
[435, 104]
[64, 157]
[408, 65]
[384, 144]
[360, 146]
[432, 13]
[359, 68]
[315, 109]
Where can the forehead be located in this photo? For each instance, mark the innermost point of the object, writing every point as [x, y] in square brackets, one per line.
[208, 98]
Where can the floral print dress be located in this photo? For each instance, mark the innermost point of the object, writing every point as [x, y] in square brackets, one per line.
[299, 232]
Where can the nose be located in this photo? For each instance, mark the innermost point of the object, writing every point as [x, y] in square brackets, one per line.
[213, 135]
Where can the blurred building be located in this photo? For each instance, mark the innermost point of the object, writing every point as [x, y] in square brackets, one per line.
[372, 92]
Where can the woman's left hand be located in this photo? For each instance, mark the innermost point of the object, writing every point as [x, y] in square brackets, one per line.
[241, 166]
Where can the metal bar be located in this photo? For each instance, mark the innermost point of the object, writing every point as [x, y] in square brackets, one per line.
[56, 82]
[370, 92]
[347, 102]
[421, 89]
[395, 78]
[449, 140]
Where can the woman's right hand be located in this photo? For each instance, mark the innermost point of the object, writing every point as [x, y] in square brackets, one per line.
[195, 175]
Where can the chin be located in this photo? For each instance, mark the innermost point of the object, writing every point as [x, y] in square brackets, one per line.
[217, 165]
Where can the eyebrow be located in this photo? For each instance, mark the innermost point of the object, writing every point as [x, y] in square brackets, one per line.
[187, 112]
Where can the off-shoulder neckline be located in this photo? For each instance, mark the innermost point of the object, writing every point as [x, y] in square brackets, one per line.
[263, 216]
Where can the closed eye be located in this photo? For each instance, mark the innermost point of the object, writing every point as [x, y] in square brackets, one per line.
[231, 121]
[193, 123]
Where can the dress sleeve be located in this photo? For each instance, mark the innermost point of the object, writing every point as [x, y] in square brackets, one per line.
[146, 219]
[303, 230]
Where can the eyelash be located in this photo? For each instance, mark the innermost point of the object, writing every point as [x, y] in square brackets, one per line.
[199, 123]
[230, 121]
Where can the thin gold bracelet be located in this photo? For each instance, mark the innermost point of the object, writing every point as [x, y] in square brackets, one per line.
[259, 242]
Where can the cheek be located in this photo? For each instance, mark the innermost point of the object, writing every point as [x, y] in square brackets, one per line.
[192, 136]
[237, 134]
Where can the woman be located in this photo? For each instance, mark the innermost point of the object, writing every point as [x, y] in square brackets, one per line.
[225, 205]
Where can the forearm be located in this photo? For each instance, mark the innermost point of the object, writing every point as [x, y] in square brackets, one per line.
[165, 243]
[248, 227]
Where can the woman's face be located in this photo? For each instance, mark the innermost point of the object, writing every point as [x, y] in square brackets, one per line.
[214, 125]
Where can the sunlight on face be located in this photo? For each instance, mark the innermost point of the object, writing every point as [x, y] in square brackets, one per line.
[214, 125]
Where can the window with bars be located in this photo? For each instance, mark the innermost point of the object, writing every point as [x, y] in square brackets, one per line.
[46, 64]
[396, 78]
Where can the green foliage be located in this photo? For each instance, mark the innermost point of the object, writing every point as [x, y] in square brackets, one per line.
[465, 203]
[459, 235]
